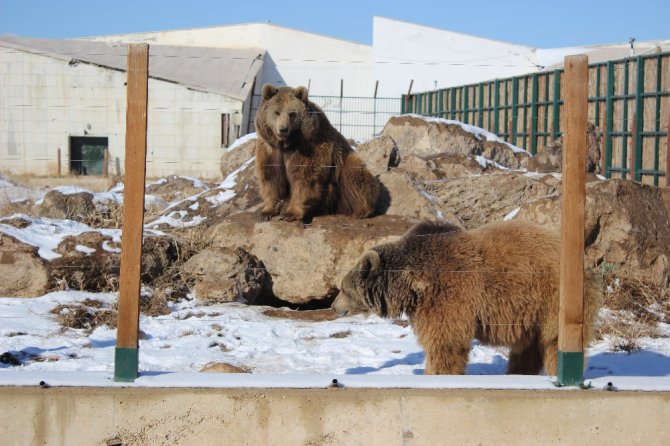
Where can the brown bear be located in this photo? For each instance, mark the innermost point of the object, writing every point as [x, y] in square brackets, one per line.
[302, 158]
[498, 284]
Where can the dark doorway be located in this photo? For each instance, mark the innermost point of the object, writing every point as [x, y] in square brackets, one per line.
[87, 155]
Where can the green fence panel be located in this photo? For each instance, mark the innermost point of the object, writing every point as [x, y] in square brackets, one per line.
[616, 109]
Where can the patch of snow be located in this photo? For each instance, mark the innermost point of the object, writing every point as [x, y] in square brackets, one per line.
[238, 142]
[85, 249]
[511, 215]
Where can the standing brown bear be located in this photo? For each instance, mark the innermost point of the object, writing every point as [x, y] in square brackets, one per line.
[300, 157]
[498, 284]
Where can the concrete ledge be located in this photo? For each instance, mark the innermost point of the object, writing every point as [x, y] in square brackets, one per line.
[31, 415]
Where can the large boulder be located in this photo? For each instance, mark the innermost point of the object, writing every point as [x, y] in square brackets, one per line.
[226, 275]
[478, 200]
[627, 227]
[22, 272]
[306, 262]
[420, 136]
[425, 137]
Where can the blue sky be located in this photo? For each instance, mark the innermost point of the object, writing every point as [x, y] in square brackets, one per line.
[536, 23]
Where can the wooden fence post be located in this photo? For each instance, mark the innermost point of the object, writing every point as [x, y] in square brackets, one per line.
[571, 319]
[126, 355]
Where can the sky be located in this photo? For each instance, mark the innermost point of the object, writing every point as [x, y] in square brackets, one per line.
[358, 350]
[537, 24]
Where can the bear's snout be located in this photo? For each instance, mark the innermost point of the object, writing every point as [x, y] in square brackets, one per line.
[340, 305]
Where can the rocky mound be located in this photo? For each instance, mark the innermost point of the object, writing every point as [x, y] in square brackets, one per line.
[212, 245]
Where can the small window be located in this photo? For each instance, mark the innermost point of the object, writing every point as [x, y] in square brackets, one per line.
[87, 155]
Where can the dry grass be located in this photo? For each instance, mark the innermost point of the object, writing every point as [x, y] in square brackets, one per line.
[89, 182]
[635, 309]
[87, 315]
[108, 216]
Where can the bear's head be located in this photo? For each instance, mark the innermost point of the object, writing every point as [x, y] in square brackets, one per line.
[356, 294]
[284, 113]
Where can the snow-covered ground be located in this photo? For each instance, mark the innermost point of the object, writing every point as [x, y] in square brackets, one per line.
[359, 351]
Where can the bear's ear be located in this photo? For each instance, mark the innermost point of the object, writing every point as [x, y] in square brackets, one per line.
[370, 264]
[301, 93]
[269, 91]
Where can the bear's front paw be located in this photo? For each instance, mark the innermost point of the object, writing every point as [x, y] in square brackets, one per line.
[291, 216]
[266, 216]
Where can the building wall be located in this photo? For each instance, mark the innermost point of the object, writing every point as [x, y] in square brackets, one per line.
[404, 51]
[293, 57]
[44, 101]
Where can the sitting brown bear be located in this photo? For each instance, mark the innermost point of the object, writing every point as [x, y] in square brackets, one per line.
[300, 157]
[498, 284]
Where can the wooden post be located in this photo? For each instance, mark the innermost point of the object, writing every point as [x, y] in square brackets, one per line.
[571, 318]
[59, 166]
[126, 356]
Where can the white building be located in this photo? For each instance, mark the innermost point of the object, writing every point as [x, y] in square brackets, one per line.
[205, 86]
[67, 99]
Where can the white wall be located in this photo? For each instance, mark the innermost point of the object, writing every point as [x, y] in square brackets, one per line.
[44, 101]
[294, 57]
[403, 51]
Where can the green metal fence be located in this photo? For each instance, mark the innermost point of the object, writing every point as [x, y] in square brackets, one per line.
[358, 118]
[629, 105]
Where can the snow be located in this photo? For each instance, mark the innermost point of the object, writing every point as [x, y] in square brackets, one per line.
[358, 351]
[240, 141]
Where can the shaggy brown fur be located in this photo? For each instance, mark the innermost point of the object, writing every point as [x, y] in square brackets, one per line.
[498, 284]
[300, 157]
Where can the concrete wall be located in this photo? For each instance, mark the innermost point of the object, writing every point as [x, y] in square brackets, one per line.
[45, 100]
[179, 416]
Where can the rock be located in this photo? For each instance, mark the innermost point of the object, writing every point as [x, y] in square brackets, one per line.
[484, 199]
[627, 227]
[442, 167]
[410, 199]
[77, 206]
[226, 275]
[380, 154]
[306, 262]
[418, 136]
[23, 273]
[550, 157]
[502, 154]
[223, 367]
[234, 157]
